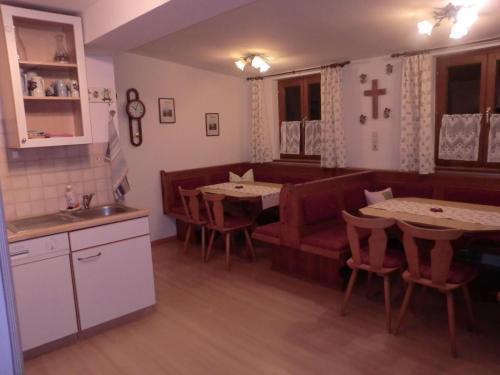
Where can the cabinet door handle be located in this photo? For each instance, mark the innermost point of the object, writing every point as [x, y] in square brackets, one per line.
[22, 252]
[90, 257]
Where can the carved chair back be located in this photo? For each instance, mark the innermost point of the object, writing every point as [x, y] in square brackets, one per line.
[377, 240]
[215, 209]
[441, 253]
[191, 203]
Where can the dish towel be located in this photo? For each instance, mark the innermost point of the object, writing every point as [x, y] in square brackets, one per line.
[114, 156]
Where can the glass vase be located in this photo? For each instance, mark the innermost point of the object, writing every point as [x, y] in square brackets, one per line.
[21, 49]
[61, 55]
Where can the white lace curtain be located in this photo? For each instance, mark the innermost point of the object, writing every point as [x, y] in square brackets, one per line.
[261, 143]
[290, 137]
[312, 137]
[459, 137]
[494, 139]
[333, 149]
[417, 132]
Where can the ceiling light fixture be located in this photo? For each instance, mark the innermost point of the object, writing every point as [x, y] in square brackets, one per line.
[461, 13]
[256, 61]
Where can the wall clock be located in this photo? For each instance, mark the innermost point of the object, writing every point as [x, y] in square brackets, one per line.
[135, 111]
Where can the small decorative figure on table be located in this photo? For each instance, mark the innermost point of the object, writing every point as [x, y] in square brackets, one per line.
[387, 112]
[362, 78]
[362, 119]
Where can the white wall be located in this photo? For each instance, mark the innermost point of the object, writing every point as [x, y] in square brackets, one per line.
[184, 144]
[358, 137]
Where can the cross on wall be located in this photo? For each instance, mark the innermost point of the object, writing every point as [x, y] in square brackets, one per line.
[375, 92]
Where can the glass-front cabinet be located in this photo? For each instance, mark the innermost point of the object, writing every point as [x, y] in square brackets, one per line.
[468, 110]
[43, 79]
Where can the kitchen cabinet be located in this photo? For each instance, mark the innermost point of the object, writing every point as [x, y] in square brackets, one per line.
[113, 271]
[28, 44]
[44, 290]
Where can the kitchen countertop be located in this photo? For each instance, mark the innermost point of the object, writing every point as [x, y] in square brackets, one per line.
[69, 227]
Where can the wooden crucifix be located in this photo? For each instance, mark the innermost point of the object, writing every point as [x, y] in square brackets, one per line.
[375, 92]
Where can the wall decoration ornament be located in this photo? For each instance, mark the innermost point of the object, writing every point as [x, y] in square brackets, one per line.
[362, 78]
[166, 108]
[375, 92]
[362, 119]
[212, 124]
[389, 69]
[387, 112]
[101, 95]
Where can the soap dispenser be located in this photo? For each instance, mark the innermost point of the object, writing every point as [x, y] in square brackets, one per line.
[71, 201]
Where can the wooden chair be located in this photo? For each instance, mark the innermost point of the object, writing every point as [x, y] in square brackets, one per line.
[194, 218]
[374, 258]
[439, 272]
[218, 222]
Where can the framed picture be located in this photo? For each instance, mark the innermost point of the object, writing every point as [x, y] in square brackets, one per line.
[166, 108]
[212, 124]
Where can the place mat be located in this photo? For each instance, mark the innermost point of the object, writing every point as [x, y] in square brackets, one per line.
[270, 195]
[465, 215]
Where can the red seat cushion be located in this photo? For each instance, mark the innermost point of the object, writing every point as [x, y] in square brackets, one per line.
[459, 272]
[393, 258]
[334, 238]
[231, 222]
[272, 230]
[319, 207]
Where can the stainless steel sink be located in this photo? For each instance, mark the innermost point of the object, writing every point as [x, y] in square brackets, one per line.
[38, 222]
[52, 220]
[102, 211]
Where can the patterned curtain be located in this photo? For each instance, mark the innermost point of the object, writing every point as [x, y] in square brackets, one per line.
[312, 134]
[261, 144]
[459, 137]
[494, 139]
[290, 137]
[333, 151]
[417, 132]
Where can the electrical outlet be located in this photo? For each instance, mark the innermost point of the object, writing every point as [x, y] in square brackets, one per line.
[374, 141]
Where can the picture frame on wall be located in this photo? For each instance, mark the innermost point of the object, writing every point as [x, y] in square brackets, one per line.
[166, 108]
[212, 124]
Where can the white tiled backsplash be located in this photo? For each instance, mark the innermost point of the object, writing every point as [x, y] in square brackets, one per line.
[34, 180]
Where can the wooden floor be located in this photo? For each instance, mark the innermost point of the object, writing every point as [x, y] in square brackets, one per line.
[256, 321]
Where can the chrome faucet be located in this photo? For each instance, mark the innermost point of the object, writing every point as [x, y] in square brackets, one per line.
[87, 198]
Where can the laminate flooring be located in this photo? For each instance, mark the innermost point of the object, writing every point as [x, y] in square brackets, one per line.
[253, 320]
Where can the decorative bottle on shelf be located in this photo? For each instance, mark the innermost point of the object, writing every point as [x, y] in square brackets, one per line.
[61, 55]
[21, 49]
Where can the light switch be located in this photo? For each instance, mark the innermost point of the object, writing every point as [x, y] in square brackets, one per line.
[374, 141]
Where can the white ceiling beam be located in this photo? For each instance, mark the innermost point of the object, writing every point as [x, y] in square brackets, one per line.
[116, 26]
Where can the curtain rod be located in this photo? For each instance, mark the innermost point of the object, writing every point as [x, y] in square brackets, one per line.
[333, 65]
[417, 52]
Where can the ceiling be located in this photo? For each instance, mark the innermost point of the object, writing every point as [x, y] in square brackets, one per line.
[302, 33]
[65, 6]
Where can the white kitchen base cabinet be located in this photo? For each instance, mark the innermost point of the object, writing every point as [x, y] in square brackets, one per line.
[43, 289]
[113, 279]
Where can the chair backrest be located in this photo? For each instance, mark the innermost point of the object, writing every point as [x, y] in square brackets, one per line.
[441, 254]
[377, 241]
[191, 203]
[215, 209]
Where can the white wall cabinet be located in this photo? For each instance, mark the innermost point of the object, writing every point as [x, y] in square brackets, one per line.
[113, 274]
[27, 46]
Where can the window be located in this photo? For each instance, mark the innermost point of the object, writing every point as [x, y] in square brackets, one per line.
[468, 86]
[299, 117]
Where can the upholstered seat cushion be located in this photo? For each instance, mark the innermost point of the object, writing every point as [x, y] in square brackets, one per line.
[333, 238]
[459, 272]
[393, 258]
[272, 230]
[232, 222]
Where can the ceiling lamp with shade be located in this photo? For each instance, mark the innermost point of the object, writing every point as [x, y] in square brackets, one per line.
[257, 62]
[461, 13]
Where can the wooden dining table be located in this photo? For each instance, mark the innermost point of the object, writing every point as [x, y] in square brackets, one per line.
[431, 212]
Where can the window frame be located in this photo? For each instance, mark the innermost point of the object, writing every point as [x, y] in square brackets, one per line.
[487, 58]
[303, 82]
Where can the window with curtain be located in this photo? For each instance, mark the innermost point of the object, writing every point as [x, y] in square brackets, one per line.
[300, 117]
[468, 110]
